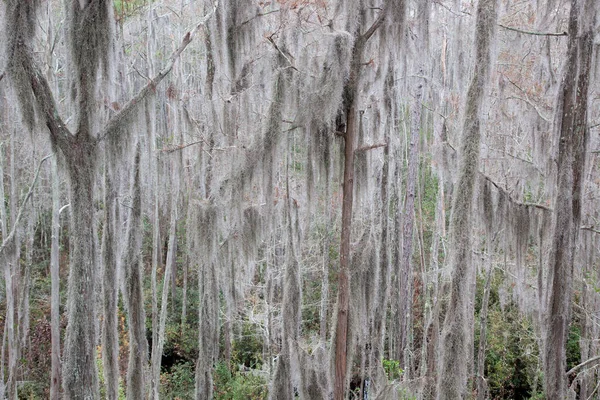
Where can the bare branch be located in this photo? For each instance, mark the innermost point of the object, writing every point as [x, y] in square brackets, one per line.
[509, 28]
[370, 147]
[590, 228]
[583, 364]
[119, 118]
[180, 147]
[11, 235]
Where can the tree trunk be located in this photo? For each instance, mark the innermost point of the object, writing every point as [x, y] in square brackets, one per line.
[80, 374]
[134, 294]
[573, 132]
[110, 332]
[406, 275]
[55, 378]
[453, 374]
[157, 347]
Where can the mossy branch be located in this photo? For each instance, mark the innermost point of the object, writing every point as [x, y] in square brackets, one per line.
[114, 124]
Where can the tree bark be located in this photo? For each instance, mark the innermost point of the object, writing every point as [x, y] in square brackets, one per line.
[406, 276]
[134, 295]
[453, 374]
[573, 134]
[55, 377]
[351, 99]
[157, 347]
[110, 332]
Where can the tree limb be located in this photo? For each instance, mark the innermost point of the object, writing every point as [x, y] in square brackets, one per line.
[45, 101]
[117, 120]
[590, 228]
[367, 35]
[583, 364]
[513, 200]
[370, 147]
[509, 28]
[11, 234]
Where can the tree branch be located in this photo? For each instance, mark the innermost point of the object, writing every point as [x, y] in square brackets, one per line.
[367, 35]
[117, 120]
[513, 200]
[583, 364]
[45, 101]
[509, 28]
[370, 147]
[590, 228]
[9, 238]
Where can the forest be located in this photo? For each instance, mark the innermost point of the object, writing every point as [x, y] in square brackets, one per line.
[311, 199]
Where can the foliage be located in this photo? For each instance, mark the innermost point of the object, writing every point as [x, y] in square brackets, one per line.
[512, 364]
[392, 369]
[238, 385]
[247, 349]
[178, 383]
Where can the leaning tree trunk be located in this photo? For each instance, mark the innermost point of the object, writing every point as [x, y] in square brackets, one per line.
[453, 375]
[573, 132]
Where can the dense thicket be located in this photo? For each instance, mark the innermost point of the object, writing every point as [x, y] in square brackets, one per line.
[299, 199]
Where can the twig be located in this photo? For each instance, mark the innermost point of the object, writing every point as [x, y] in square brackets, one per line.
[117, 120]
[532, 32]
[180, 147]
[11, 235]
[257, 16]
[370, 147]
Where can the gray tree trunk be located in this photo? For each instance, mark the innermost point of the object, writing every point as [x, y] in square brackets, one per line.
[110, 332]
[573, 132]
[134, 295]
[157, 347]
[55, 377]
[453, 371]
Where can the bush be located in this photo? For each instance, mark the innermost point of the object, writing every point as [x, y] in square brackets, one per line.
[238, 385]
[179, 382]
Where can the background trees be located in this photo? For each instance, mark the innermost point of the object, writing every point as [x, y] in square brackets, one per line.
[224, 191]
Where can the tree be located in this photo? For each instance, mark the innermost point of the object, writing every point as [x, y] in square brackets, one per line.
[452, 380]
[572, 131]
[90, 35]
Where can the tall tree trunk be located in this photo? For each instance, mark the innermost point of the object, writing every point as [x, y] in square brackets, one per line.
[134, 293]
[573, 133]
[80, 375]
[55, 378]
[453, 374]
[157, 347]
[351, 99]
[406, 275]
[110, 333]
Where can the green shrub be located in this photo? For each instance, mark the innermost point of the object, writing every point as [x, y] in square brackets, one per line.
[238, 385]
[179, 383]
